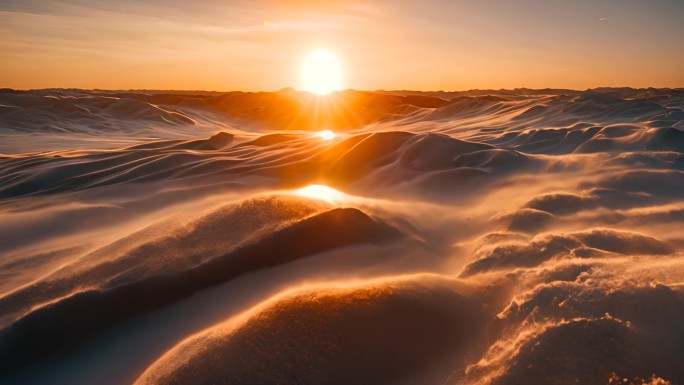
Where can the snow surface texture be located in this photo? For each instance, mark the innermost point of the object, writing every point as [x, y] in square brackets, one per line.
[480, 237]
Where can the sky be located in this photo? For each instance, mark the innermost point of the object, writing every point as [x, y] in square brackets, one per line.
[259, 45]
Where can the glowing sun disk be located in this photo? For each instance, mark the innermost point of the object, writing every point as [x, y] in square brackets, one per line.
[321, 73]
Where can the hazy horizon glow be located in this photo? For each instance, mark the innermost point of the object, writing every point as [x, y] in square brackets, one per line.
[260, 45]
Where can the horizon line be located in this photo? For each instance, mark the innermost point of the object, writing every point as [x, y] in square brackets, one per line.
[343, 90]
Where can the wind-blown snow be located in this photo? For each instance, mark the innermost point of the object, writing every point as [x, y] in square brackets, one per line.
[486, 237]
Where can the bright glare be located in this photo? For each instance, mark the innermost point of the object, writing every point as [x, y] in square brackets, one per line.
[321, 192]
[321, 73]
[325, 135]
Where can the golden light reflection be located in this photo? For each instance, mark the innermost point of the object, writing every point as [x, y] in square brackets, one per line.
[325, 135]
[321, 192]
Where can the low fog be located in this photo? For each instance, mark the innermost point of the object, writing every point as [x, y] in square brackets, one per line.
[480, 237]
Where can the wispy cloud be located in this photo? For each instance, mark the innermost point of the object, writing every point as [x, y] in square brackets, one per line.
[606, 18]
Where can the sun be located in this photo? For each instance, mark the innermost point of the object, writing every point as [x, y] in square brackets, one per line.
[321, 73]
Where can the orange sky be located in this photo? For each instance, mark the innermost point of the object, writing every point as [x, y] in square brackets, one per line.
[427, 45]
